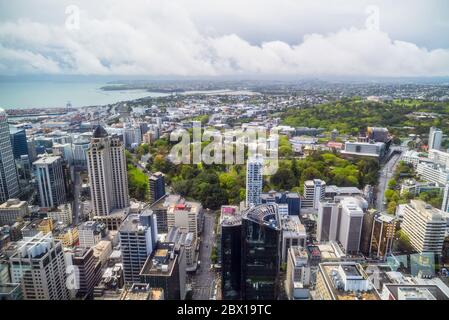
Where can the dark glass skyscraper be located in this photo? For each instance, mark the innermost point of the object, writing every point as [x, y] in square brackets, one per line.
[19, 142]
[261, 253]
[231, 245]
[157, 186]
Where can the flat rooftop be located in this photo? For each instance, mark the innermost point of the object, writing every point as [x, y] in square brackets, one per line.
[46, 160]
[350, 270]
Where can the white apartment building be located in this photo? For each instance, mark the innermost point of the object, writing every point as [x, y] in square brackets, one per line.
[38, 265]
[293, 234]
[298, 274]
[185, 216]
[107, 173]
[314, 192]
[433, 173]
[351, 221]
[425, 226]
[50, 179]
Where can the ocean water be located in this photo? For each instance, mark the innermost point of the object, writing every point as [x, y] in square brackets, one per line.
[54, 94]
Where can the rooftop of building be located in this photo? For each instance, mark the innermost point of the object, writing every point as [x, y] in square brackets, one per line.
[350, 270]
[46, 159]
[343, 190]
[180, 237]
[166, 201]
[142, 291]
[92, 225]
[156, 176]
[312, 183]
[433, 214]
[230, 216]
[34, 247]
[13, 204]
[100, 132]
[132, 224]
[182, 206]
[161, 262]
[277, 194]
[266, 214]
[416, 292]
[299, 252]
[292, 225]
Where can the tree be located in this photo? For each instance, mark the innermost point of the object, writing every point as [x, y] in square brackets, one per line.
[392, 184]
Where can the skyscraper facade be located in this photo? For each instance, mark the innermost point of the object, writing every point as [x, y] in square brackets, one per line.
[38, 265]
[261, 252]
[50, 181]
[138, 237]
[19, 142]
[107, 173]
[435, 138]
[157, 186]
[231, 245]
[254, 180]
[314, 192]
[9, 182]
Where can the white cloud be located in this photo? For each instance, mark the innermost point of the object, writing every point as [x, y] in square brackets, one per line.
[162, 38]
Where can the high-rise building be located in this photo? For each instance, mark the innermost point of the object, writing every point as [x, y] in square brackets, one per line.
[160, 208]
[138, 237]
[19, 142]
[328, 221]
[314, 191]
[435, 138]
[157, 186]
[298, 273]
[132, 136]
[351, 221]
[165, 269]
[384, 227]
[87, 275]
[38, 265]
[185, 215]
[231, 247]
[261, 252]
[293, 233]
[9, 182]
[107, 173]
[50, 181]
[425, 226]
[254, 180]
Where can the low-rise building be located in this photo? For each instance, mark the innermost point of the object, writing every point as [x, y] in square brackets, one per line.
[142, 291]
[344, 281]
[12, 210]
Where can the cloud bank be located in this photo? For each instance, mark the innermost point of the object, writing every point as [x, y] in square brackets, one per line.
[161, 38]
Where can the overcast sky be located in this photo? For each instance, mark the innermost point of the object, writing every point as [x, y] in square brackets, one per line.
[254, 37]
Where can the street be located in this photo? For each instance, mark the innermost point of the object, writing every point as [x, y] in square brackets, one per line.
[76, 197]
[385, 174]
[203, 281]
